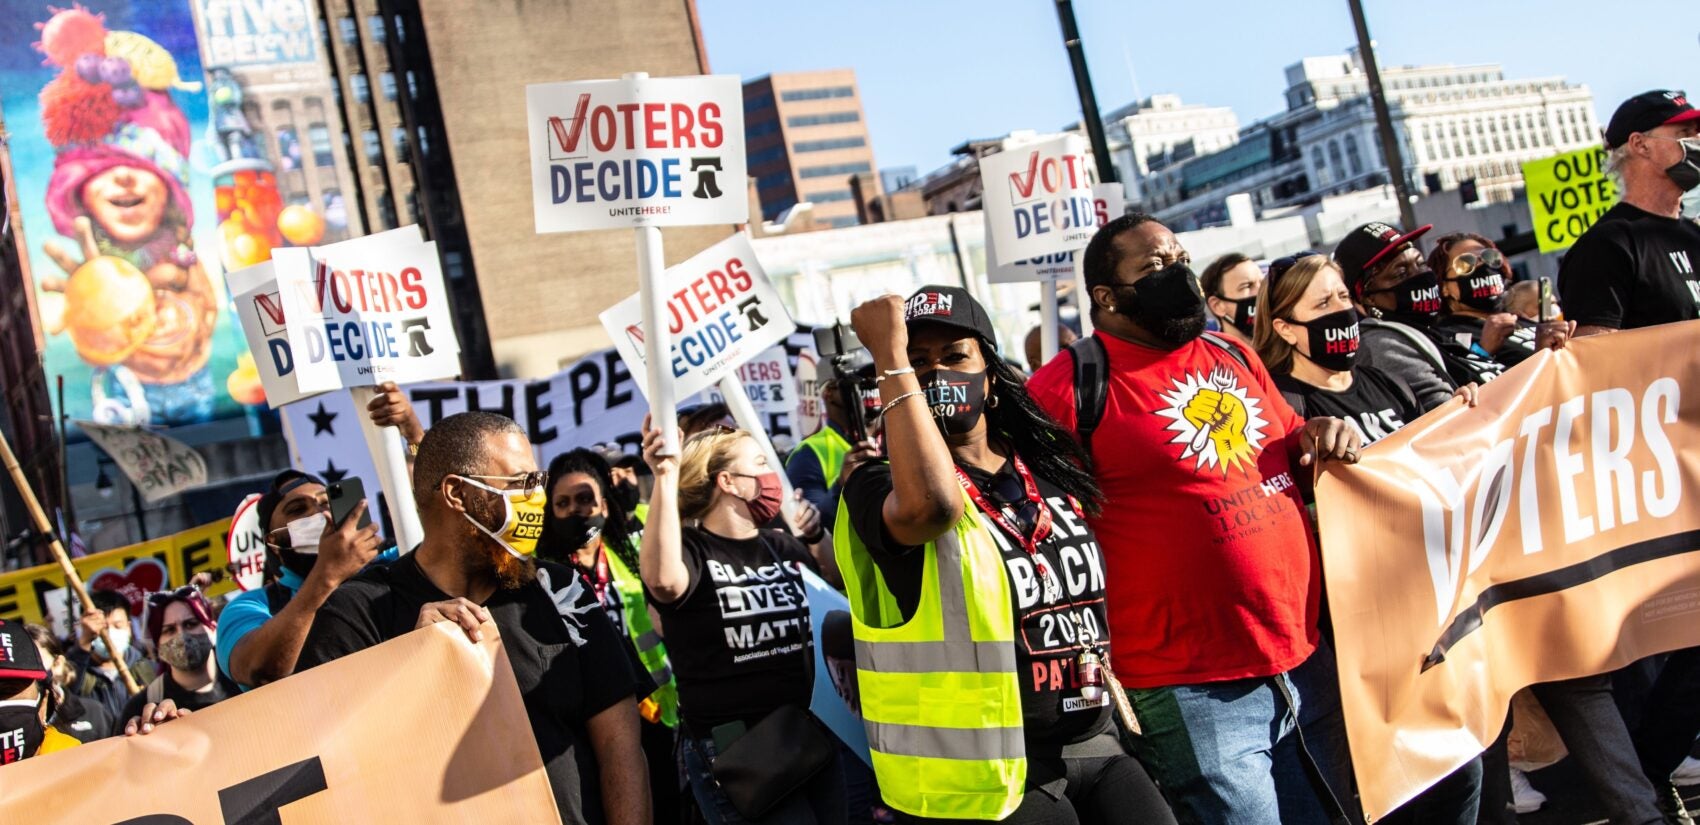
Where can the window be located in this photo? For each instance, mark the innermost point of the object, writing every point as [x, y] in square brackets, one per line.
[412, 86]
[320, 136]
[386, 210]
[766, 127]
[336, 212]
[823, 120]
[831, 143]
[375, 27]
[773, 180]
[828, 197]
[768, 155]
[817, 94]
[454, 265]
[362, 88]
[842, 221]
[1334, 160]
[374, 146]
[424, 143]
[834, 169]
[288, 148]
[350, 33]
[413, 206]
[400, 29]
[752, 104]
[398, 136]
[386, 81]
[1352, 159]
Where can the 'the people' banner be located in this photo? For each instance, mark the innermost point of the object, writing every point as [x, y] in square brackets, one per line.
[425, 728]
[1541, 535]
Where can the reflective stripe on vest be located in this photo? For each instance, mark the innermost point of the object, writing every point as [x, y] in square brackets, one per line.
[829, 448]
[644, 637]
[940, 697]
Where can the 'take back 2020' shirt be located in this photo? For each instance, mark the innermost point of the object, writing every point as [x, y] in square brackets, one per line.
[1213, 570]
[564, 680]
[1632, 269]
[1376, 405]
[1053, 609]
[739, 638]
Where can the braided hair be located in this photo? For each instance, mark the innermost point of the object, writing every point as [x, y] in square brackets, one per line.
[616, 537]
[1050, 450]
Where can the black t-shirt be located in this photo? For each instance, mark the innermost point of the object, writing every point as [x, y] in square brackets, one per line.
[1375, 405]
[739, 638]
[222, 689]
[1050, 609]
[1632, 269]
[1519, 344]
[563, 681]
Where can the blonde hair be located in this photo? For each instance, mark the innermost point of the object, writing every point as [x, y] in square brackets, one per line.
[1276, 300]
[705, 456]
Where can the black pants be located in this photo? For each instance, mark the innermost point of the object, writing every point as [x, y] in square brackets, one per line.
[1085, 790]
[1665, 733]
[1586, 716]
[659, 746]
[1451, 801]
[1498, 807]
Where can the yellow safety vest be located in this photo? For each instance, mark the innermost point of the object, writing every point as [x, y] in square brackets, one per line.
[651, 651]
[829, 448]
[941, 700]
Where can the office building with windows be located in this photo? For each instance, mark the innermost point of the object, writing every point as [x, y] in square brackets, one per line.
[807, 137]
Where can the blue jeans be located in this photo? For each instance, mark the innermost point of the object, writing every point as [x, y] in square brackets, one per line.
[1250, 751]
[819, 802]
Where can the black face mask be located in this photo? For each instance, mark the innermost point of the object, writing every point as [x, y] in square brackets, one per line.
[1333, 339]
[578, 531]
[1167, 303]
[625, 495]
[957, 399]
[21, 730]
[1480, 290]
[1685, 173]
[1416, 300]
[1245, 313]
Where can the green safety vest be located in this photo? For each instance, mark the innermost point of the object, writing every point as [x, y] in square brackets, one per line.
[940, 697]
[641, 511]
[830, 448]
[651, 651]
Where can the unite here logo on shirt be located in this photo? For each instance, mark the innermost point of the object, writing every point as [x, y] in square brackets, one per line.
[1217, 423]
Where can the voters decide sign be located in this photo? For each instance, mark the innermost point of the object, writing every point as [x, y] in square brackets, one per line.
[1108, 202]
[1038, 199]
[366, 311]
[609, 154]
[721, 312]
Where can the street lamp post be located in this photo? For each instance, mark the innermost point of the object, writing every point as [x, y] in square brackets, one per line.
[1083, 85]
[1383, 119]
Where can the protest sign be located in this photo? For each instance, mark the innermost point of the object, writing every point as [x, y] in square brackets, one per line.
[1109, 201]
[245, 545]
[365, 311]
[1038, 199]
[768, 383]
[1541, 535]
[160, 467]
[721, 312]
[836, 700]
[1567, 193]
[259, 308]
[810, 403]
[37, 594]
[639, 151]
[322, 745]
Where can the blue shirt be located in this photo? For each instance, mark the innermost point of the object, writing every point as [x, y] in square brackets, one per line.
[245, 613]
[806, 474]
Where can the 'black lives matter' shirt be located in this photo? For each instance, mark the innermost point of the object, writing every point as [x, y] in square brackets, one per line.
[563, 682]
[1632, 269]
[1049, 610]
[1375, 405]
[739, 639]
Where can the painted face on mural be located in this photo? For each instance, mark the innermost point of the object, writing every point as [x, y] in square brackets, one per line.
[127, 202]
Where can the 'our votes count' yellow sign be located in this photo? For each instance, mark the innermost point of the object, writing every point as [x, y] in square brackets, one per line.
[1567, 193]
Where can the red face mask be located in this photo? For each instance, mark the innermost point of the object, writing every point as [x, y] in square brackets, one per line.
[770, 495]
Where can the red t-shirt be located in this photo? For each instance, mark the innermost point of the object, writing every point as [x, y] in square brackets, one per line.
[1214, 573]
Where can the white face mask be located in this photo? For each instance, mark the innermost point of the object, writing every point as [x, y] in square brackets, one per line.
[305, 533]
[121, 638]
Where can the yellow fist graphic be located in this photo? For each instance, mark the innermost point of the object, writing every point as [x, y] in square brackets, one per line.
[1219, 417]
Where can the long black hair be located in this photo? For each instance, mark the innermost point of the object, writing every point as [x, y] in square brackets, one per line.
[616, 538]
[1051, 451]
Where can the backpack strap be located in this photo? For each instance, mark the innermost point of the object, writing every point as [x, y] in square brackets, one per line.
[1091, 387]
[1222, 344]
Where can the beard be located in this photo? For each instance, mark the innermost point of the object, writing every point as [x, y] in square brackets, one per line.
[511, 572]
[1174, 325]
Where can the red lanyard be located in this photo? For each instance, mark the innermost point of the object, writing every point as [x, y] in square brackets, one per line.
[1001, 517]
[600, 582]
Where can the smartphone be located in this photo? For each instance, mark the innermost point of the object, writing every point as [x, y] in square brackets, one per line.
[1546, 300]
[344, 495]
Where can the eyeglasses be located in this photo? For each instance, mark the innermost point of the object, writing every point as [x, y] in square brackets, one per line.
[1466, 263]
[520, 481]
[1007, 491]
[1279, 266]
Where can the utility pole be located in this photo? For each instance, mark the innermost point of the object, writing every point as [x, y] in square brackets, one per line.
[1383, 119]
[1088, 100]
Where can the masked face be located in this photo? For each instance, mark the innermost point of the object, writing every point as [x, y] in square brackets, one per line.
[957, 399]
[1245, 313]
[522, 512]
[1167, 303]
[625, 495]
[579, 530]
[21, 729]
[768, 498]
[187, 651]
[1416, 300]
[1332, 342]
[121, 638]
[1685, 173]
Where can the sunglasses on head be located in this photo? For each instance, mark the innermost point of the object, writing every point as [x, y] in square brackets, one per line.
[1466, 263]
[1279, 266]
[165, 597]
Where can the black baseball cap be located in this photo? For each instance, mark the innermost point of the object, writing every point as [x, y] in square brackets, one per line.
[281, 484]
[1648, 111]
[1368, 245]
[951, 306]
[19, 658]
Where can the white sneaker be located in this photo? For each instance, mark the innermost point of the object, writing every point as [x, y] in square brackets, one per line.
[1688, 773]
[1524, 798]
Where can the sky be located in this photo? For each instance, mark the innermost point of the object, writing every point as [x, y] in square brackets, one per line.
[935, 73]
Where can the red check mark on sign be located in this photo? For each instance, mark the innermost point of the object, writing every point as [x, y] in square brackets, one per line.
[1024, 188]
[568, 137]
